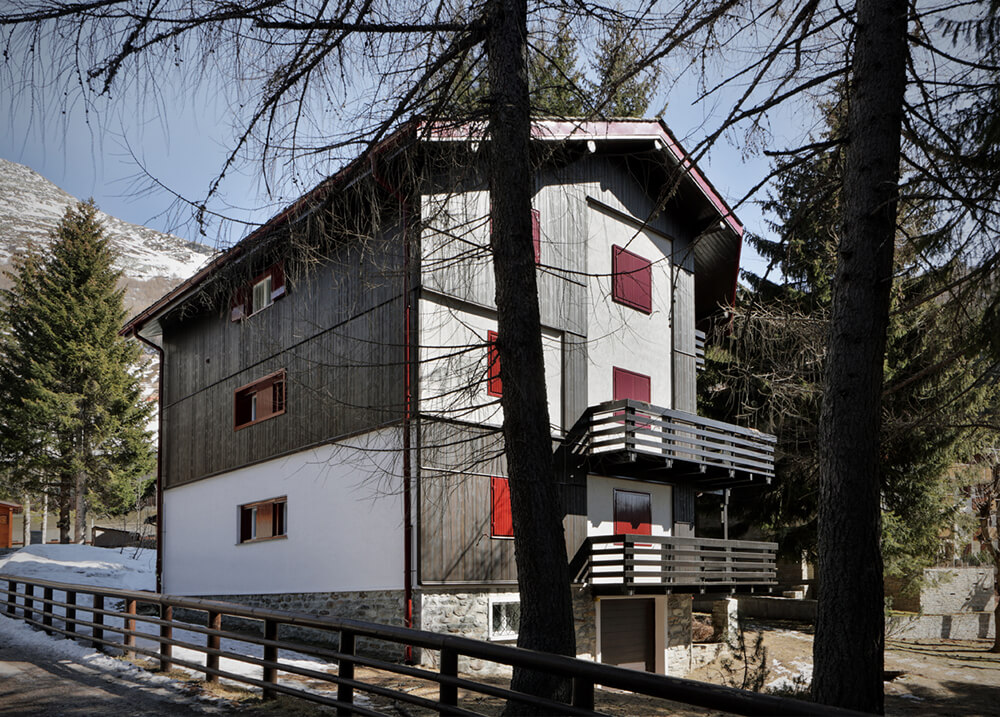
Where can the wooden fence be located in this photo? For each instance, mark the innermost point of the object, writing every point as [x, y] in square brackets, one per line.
[36, 602]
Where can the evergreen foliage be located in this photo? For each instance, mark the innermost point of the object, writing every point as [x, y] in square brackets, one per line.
[73, 420]
[768, 366]
[626, 82]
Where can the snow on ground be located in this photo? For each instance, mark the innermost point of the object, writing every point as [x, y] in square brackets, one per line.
[126, 569]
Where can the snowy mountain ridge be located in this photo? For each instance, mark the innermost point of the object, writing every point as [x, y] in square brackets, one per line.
[152, 262]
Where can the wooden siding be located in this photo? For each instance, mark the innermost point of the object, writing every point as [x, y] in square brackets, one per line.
[455, 546]
[685, 368]
[338, 334]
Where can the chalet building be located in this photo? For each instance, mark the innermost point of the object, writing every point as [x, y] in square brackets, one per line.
[330, 395]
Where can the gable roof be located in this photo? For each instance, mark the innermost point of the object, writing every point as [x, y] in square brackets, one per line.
[716, 250]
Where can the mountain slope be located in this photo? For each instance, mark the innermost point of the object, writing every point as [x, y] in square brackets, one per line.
[152, 262]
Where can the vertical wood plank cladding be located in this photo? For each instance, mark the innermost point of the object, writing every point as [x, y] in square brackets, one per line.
[684, 363]
[456, 463]
[575, 368]
[338, 334]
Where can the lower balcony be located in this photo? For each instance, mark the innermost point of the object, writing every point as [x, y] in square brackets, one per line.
[639, 440]
[629, 564]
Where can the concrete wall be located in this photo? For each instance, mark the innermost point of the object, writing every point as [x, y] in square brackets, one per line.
[344, 524]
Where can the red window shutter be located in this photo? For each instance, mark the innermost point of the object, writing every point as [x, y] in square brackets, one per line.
[494, 384]
[628, 384]
[632, 280]
[501, 520]
[536, 234]
[277, 280]
[238, 306]
[633, 513]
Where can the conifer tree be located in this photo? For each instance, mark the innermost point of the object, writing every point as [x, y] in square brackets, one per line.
[626, 81]
[73, 420]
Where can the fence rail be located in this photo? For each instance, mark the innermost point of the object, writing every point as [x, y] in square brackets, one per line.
[58, 609]
[630, 562]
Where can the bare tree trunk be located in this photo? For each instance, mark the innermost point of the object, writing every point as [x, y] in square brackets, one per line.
[80, 498]
[65, 506]
[850, 626]
[45, 518]
[539, 541]
[26, 522]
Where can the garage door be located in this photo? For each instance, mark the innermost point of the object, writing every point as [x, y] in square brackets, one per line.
[627, 628]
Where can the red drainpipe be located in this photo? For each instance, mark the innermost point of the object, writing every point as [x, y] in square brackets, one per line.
[159, 461]
[407, 409]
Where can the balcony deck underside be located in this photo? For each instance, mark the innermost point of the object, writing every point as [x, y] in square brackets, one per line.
[637, 440]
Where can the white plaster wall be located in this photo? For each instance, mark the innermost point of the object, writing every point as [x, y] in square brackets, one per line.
[453, 365]
[344, 524]
[619, 335]
[601, 506]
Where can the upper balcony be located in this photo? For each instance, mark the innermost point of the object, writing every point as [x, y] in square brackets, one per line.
[638, 440]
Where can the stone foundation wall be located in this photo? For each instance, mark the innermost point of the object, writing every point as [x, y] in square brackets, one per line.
[679, 652]
[382, 606]
[467, 614]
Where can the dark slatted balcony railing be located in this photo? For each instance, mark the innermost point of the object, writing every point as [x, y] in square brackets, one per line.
[644, 441]
[647, 563]
[699, 350]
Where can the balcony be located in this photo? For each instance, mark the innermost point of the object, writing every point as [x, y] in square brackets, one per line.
[638, 440]
[629, 564]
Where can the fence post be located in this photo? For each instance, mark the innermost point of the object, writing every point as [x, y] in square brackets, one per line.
[70, 620]
[270, 655]
[129, 636]
[583, 693]
[449, 668]
[11, 597]
[166, 634]
[47, 609]
[345, 693]
[29, 602]
[212, 642]
[97, 617]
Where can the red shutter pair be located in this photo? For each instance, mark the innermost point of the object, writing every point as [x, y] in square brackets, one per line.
[632, 280]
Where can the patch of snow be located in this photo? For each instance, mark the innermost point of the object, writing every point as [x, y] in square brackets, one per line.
[125, 569]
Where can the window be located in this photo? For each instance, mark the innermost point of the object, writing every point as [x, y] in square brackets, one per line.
[633, 513]
[505, 617]
[631, 280]
[501, 521]
[494, 385]
[264, 290]
[628, 384]
[259, 400]
[263, 520]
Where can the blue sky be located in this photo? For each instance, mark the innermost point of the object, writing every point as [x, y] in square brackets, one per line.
[182, 137]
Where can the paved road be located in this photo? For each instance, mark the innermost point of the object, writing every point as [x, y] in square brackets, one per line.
[33, 683]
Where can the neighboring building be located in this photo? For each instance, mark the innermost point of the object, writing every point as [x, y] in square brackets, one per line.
[7, 512]
[330, 411]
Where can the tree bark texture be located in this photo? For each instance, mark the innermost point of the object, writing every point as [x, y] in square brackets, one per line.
[539, 543]
[848, 649]
[65, 506]
[80, 498]
[26, 523]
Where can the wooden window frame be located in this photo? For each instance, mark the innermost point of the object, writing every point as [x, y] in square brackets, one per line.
[279, 402]
[242, 306]
[494, 379]
[276, 523]
[502, 533]
[624, 288]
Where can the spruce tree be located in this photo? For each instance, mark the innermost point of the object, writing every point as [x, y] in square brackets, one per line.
[73, 417]
[626, 82]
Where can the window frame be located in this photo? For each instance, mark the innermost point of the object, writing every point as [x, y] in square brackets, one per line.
[276, 522]
[501, 599]
[621, 280]
[242, 305]
[277, 378]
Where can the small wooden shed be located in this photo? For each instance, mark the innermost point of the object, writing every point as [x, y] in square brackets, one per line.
[7, 512]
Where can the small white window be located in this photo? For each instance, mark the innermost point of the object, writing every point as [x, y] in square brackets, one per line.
[505, 617]
[262, 294]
